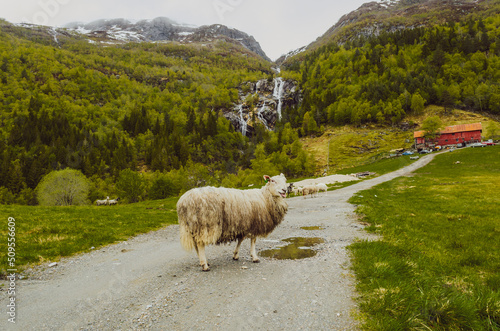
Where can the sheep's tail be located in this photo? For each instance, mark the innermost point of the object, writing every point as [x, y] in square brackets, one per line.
[187, 241]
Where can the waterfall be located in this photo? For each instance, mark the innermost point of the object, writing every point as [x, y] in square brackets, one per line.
[242, 122]
[261, 118]
[276, 87]
[279, 85]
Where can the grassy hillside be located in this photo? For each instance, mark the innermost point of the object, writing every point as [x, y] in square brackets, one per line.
[352, 146]
[436, 265]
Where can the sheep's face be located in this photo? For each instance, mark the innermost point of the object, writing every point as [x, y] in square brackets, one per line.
[276, 185]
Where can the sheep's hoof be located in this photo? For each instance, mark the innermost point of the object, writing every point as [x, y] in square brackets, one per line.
[236, 258]
[206, 268]
[256, 261]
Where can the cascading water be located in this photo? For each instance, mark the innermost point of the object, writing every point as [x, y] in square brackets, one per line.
[268, 106]
[277, 82]
[279, 86]
[243, 123]
[261, 117]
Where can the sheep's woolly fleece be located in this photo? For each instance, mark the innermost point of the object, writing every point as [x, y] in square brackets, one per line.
[327, 180]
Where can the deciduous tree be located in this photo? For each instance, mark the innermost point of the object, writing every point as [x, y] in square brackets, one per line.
[130, 185]
[431, 126]
[63, 188]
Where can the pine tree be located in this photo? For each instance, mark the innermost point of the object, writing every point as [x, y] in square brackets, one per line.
[191, 122]
[15, 182]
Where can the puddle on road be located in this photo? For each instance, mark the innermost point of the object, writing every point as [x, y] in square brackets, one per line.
[296, 249]
[310, 228]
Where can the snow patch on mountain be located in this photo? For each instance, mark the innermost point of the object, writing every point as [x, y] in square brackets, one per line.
[163, 29]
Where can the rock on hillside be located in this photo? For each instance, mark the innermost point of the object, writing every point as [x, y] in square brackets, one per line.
[164, 29]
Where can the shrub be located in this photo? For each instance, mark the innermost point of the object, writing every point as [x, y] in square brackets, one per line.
[130, 185]
[161, 188]
[6, 196]
[27, 197]
[63, 188]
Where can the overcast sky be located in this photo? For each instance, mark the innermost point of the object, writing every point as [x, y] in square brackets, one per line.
[278, 25]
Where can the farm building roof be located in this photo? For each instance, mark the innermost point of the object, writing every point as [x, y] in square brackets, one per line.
[454, 129]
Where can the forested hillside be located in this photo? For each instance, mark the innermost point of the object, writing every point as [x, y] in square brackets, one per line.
[382, 78]
[103, 108]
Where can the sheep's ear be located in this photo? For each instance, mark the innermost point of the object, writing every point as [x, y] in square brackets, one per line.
[267, 178]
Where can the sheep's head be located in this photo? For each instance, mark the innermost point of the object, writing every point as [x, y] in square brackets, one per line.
[276, 185]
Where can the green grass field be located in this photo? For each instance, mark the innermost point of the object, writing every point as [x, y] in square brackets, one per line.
[48, 233]
[436, 265]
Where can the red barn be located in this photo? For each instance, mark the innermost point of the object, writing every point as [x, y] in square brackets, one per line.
[452, 135]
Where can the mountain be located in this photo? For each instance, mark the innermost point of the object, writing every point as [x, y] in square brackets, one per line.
[159, 96]
[388, 60]
[376, 17]
[163, 29]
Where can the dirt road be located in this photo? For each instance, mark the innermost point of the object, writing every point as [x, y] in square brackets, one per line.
[150, 283]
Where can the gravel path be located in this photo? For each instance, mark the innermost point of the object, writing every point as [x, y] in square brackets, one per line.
[332, 179]
[150, 283]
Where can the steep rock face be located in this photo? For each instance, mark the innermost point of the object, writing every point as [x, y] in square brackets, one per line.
[268, 99]
[290, 54]
[164, 29]
[215, 31]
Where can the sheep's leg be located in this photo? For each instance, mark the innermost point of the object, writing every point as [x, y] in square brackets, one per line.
[236, 254]
[255, 258]
[203, 258]
[196, 248]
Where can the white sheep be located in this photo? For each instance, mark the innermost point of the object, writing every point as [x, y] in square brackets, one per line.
[297, 190]
[113, 202]
[310, 189]
[102, 202]
[322, 187]
[210, 215]
[300, 190]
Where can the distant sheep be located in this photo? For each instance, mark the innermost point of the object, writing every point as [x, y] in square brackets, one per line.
[322, 187]
[297, 190]
[211, 215]
[102, 202]
[289, 189]
[113, 202]
[311, 189]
